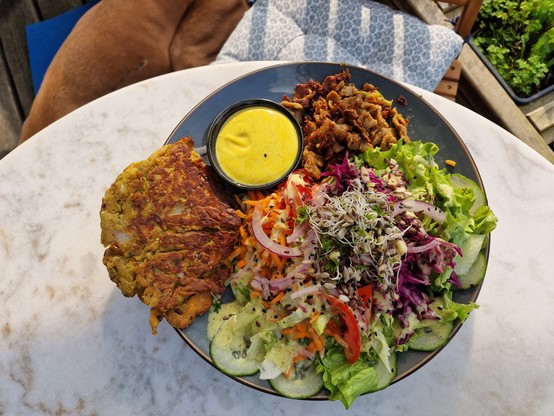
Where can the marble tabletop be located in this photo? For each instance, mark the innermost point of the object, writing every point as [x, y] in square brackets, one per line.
[71, 344]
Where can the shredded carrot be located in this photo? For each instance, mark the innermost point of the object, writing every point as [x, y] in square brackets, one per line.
[253, 203]
[298, 358]
[255, 294]
[314, 317]
[277, 298]
[255, 195]
[288, 373]
[318, 339]
[450, 162]
[239, 251]
[279, 262]
[288, 331]
[242, 215]
[277, 223]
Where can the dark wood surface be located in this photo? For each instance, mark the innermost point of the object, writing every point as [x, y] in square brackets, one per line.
[16, 84]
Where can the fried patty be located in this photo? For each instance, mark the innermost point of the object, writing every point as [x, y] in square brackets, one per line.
[168, 231]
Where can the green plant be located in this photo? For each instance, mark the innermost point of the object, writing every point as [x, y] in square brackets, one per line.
[517, 37]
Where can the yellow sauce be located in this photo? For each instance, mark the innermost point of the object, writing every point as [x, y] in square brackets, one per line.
[256, 146]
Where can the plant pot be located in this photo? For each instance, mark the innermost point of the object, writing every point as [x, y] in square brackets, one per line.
[517, 99]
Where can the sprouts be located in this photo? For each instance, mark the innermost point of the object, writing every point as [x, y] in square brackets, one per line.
[358, 238]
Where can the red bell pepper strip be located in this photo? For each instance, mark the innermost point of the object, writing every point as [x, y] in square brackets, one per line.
[350, 338]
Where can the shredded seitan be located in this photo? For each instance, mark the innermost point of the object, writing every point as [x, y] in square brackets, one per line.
[337, 117]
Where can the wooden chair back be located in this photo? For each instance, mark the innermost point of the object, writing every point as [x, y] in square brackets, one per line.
[468, 15]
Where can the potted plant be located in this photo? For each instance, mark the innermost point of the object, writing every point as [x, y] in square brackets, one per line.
[515, 38]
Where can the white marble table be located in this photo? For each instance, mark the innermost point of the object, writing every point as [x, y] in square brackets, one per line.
[72, 344]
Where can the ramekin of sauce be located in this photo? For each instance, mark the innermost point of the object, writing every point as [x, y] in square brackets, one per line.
[254, 144]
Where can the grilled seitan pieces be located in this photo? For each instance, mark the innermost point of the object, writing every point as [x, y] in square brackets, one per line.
[168, 232]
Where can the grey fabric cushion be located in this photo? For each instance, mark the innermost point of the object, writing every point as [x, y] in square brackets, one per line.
[356, 32]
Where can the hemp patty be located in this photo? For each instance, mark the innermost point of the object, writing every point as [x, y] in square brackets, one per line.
[168, 231]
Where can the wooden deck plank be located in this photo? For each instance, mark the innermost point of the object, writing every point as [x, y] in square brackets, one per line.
[49, 8]
[10, 114]
[16, 84]
[543, 117]
[15, 16]
[548, 136]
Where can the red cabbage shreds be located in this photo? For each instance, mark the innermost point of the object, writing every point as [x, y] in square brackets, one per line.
[454, 280]
[378, 184]
[410, 273]
[344, 173]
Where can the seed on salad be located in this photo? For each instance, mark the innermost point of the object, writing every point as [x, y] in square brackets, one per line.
[401, 247]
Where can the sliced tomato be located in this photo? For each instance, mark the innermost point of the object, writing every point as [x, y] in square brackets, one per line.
[365, 293]
[349, 335]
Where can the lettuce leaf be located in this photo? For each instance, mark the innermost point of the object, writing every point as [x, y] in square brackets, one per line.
[345, 381]
[448, 310]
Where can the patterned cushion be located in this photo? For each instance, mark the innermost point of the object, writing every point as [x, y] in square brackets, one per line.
[357, 32]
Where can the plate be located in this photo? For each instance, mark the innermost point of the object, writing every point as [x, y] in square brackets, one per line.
[272, 83]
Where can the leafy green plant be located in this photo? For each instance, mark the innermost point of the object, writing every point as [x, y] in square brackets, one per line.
[517, 37]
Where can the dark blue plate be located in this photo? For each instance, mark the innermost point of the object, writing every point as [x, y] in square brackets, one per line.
[272, 83]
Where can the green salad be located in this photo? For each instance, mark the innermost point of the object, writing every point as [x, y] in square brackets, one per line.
[333, 278]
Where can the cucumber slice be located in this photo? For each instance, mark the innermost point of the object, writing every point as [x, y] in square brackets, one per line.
[475, 274]
[470, 250]
[384, 375]
[228, 351]
[431, 336]
[304, 383]
[222, 314]
[461, 181]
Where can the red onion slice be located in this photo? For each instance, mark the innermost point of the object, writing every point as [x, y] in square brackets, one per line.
[280, 284]
[261, 284]
[420, 249]
[308, 290]
[304, 352]
[419, 206]
[267, 242]
[299, 231]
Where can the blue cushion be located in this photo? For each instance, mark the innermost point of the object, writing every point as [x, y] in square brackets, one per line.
[358, 32]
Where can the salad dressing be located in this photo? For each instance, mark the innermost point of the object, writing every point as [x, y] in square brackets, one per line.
[257, 145]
